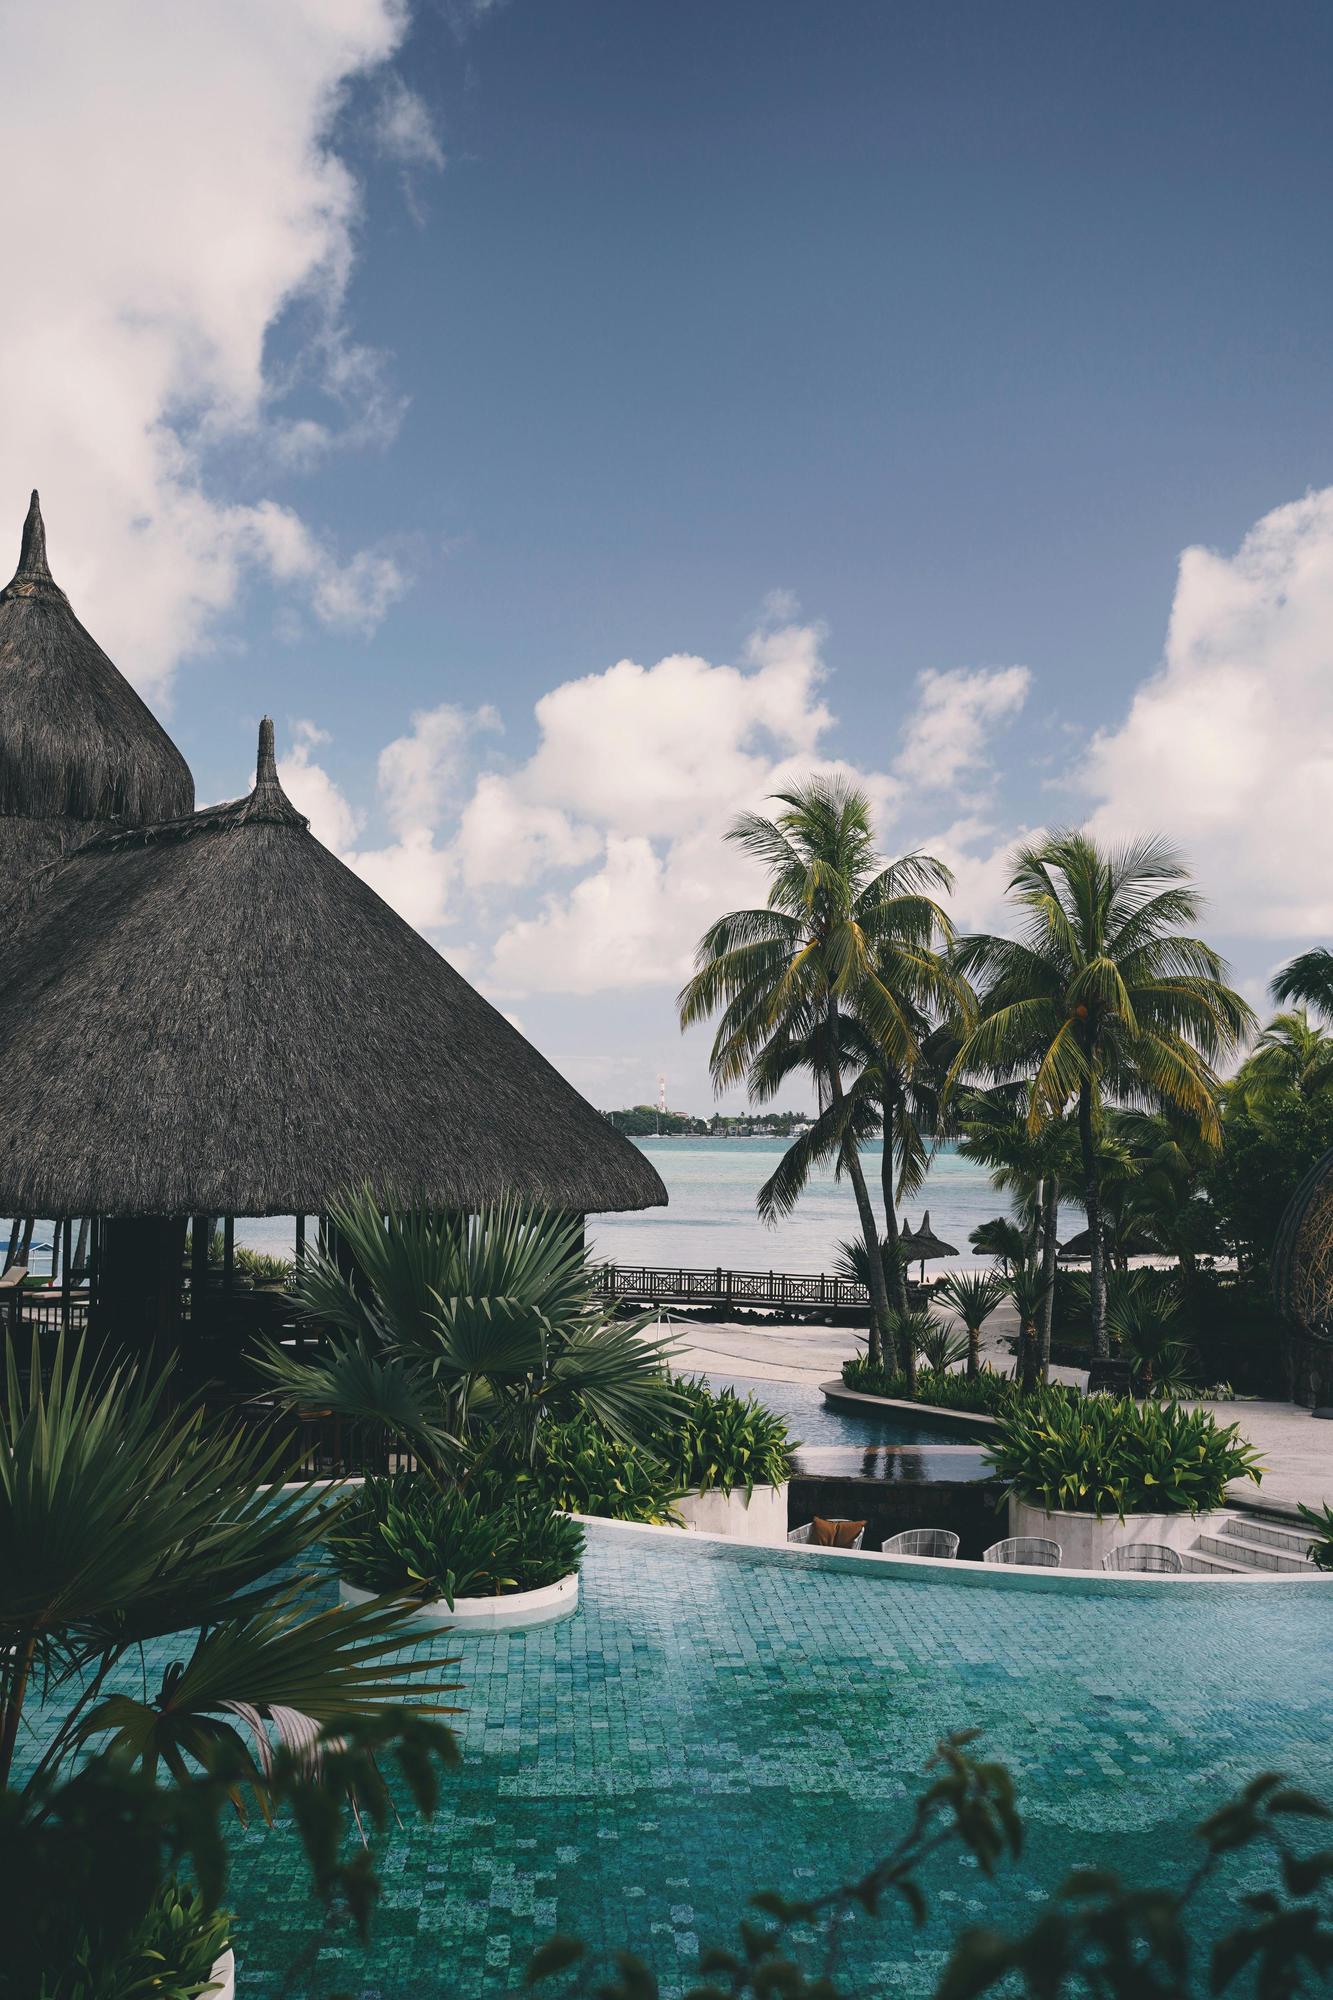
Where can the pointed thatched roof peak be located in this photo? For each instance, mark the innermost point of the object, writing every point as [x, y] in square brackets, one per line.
[215, 1016]
[78, 748]
[34, 572]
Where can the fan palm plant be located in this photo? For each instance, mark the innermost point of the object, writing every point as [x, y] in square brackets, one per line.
[841, 934]
[124, 1520]
[1143, 1318]
[1104, 998]
[1011, 1243]
[974, 1296]
[459, 1333]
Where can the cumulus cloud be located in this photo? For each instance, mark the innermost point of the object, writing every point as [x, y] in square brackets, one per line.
[949, 735]
[179, 192]
[1229, 747]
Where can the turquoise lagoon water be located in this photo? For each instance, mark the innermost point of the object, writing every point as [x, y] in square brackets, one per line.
[711, 1218]
[716, 1720]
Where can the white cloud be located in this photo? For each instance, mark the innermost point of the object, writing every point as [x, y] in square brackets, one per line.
[1229, 747]
[949, 736]
[404, 129]
[333, 818]
[178, 192]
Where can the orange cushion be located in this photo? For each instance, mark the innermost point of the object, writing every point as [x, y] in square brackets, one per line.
[835, 1534]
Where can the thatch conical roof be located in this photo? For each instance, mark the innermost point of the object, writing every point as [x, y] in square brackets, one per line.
[215, 1016]
[78, 748]
[922, 1244]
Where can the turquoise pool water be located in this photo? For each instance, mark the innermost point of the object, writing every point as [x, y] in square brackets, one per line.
[716, 1720]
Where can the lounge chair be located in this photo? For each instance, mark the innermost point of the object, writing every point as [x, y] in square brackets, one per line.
[1153, 1556]
[1028, 1551]
[939, 1542]
[806, 1533]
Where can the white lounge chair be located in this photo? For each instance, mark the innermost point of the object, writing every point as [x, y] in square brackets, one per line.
[1154, 1557]
[1027, 1551]
[939, 1542]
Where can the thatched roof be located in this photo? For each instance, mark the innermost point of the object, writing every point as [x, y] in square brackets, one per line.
[77, 746]
[215, 1016]
[922, 1244]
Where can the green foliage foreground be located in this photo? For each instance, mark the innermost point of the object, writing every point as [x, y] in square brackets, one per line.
[1109, 1454]
[1097, 1938]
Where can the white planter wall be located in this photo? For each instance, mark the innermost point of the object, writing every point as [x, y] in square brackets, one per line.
[762, 1517]
[223, 1976]
[516, 1612]
[1084, 1540]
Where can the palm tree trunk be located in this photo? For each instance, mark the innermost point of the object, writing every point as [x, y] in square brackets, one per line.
[1027, 1356]
[880, 1346]
[1050, 1217]
[1101, 1346]
[897, 1284]
[974, 1351]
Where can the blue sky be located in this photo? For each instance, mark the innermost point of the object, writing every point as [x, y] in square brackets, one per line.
[444, 359]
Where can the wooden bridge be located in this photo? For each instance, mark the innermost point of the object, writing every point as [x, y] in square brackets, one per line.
[666, 1284]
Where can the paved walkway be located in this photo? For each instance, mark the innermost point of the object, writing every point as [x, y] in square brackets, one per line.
[1297, 1448]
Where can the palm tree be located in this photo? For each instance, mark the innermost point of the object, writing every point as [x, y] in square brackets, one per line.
[1034, 1167]
[459, 1333]
[974, 1296]
[1308, 980]
[841, 935]
[1012, 1244]
[1028, 1289]
[1293, 1057]
[1104, 997]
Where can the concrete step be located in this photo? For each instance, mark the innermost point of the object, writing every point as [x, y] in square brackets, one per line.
[1201, 1565]
[1290, 1541]
[1242, 1552]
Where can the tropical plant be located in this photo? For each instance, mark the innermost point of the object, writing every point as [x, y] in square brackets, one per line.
[451, 1329]
[403, 1535]
[1033, 1168]
[1143, 1318]
[724, 1441]
[1321, 1544]
[1010, 1243]
[582, 1470]
[124, 1520]
[942, 1345]
[1093, 1934]
[841, 935]
[973, 1295]
[1029, 1289]
[170, 1955]
[1104, 998]
[851, 1260]
[984, 1393]
[1307, 980]
[1108, 1454]
[1293, 1058]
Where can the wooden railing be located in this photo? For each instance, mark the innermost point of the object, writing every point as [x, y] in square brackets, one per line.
[657, 1284]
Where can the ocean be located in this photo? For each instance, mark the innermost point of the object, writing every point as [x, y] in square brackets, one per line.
[711, 1216]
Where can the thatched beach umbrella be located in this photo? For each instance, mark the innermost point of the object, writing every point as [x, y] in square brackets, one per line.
[214, 1016]
[1078, 1249]
[923, 1245]
[78, 749]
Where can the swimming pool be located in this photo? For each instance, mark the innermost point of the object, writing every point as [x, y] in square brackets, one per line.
[717, 1719]
[816, 1422]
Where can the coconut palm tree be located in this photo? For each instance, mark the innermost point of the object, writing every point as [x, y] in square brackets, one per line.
[974, 1296]
[1036, 1168]
[842, 934]
[1027, 1288]
[1104, 997]
[1013, 1244]
[1308, 980]
[1293, 1057]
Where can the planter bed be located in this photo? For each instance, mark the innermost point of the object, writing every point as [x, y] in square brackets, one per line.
[759, 1517]
[1084, 1540]
[516, 1611]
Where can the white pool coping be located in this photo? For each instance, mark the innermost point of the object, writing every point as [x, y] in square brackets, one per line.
[858, 1399]
[974, 1575]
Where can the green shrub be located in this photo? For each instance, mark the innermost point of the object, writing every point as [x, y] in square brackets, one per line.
[170, 1955]
[986, 1392]
[1108, 1454]
[584, 1470]
[725, 1441]
[406, 1534]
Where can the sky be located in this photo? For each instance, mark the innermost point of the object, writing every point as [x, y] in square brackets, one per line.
[575, 421]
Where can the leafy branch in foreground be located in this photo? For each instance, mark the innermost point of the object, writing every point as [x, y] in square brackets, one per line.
[1096, 1937]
